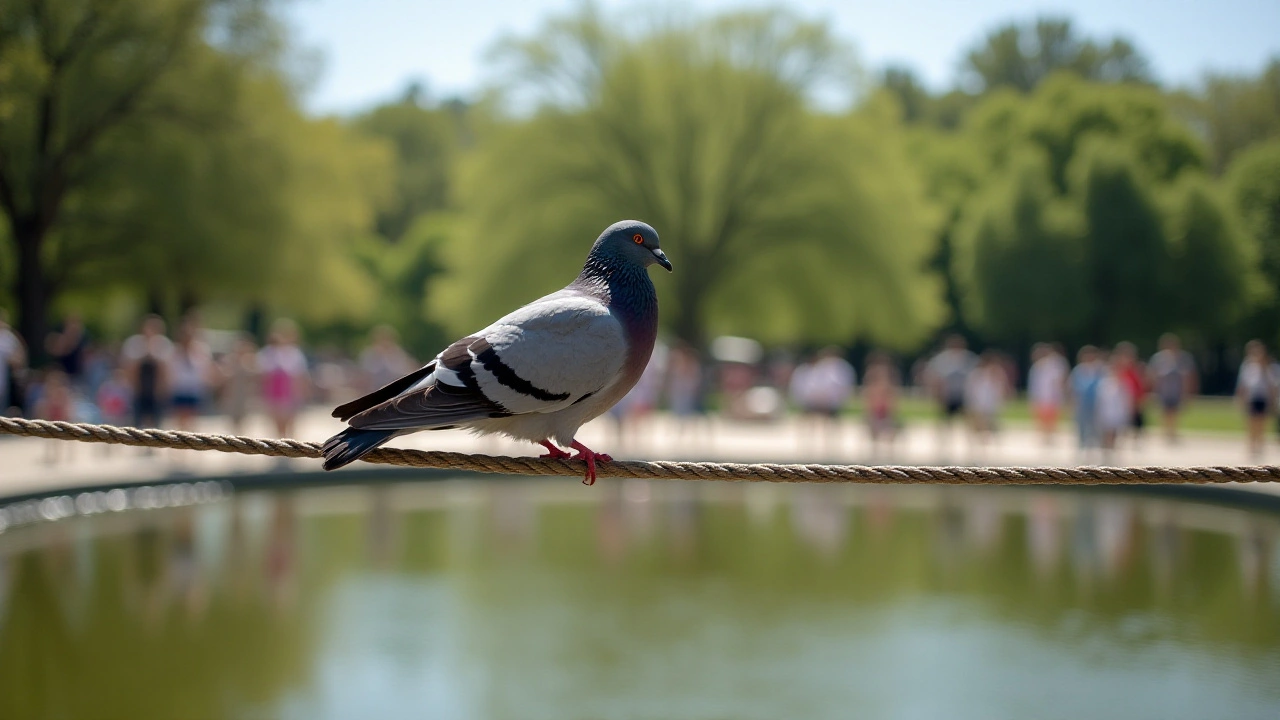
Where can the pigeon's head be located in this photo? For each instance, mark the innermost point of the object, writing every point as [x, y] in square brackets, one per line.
[631, 241]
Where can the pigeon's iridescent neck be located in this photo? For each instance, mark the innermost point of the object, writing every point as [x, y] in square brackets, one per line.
[624, 286]
[629, 293]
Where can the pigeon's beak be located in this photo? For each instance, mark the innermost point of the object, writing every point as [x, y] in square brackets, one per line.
[662, 259]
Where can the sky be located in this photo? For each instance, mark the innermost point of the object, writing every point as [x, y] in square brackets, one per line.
[371, 49]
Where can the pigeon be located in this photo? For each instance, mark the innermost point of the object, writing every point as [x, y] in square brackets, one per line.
[537, 374]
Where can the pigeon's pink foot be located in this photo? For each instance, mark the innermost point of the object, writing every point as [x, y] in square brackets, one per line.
[554, 452]
[591, 456]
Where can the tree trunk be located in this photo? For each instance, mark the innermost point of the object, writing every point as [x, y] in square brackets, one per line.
[32, 287]
[187, 301]
[688, 322]
[255, 322]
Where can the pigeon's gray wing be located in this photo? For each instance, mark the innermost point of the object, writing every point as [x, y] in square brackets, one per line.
[430, 403]
[383, 394]
[540, 358]
[550, 354]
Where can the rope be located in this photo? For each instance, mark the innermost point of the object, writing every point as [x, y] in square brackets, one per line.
[657, 470]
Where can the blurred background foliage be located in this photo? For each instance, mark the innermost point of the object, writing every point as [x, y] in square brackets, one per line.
[154, 156]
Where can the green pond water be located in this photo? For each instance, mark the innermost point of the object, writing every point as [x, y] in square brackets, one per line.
[534, 599]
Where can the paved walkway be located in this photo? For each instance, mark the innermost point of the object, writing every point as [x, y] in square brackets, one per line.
[34, 465]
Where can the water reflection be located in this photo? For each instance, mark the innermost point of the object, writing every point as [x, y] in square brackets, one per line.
[636, 599]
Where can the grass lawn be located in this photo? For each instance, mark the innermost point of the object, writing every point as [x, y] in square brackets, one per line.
[1204, 414]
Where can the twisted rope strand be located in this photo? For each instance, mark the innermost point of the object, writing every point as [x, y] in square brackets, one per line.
[658, 470]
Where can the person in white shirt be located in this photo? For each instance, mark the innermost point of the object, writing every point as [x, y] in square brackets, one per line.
[1046, 388]
[146, 361]
[1256, 393]
[826, 385]
[1173, 379]
[946, 376]
[191, 374]
[948, 373]
[1114, 405]
[822, 388]
[985, 391]
[13, 357]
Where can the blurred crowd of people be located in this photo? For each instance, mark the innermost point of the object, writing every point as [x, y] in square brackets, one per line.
[1107, 394]
[160, 378]
[156, 378]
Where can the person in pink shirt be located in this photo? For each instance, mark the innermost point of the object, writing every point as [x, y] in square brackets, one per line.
[880, 389]
[113, 398]
[285, 377]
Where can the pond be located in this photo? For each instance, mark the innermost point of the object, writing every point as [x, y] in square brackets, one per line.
[547, 599]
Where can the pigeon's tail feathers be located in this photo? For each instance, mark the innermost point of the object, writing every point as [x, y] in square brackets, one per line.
[352, 444]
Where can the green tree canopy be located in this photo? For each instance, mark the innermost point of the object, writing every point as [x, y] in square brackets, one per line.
[1238, 111]
[425, 142]
[1021, 56]
[912, 96]
[1022, 260]
[405, 272]
[1094, 187]
[1253, 180]
[255, 209]
[1007, 138]
[157, 147]
[919, 106]
[1128, 261]
[1215, 274]
[1065, 113]
[783, 223]
[71, 76]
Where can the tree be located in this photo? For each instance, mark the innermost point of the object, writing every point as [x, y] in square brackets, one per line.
[912, 97]
[404, 273]
[1214, 263]
[1239, 111]
[259, 213]
[72, 77]
[1065, 113]
[1253, 180]
[919, 106]
[952, 170]
[172, 215]
[1104, 184]
[1056, 123]
[425, 141]
[1023, 261]
[782, 222]
[1128, 259]
[1021, 56]
[141, 155]
[335, 182]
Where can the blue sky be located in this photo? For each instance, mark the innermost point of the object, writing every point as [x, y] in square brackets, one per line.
[372, 48]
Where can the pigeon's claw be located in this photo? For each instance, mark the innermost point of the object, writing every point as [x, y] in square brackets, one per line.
[591, 457]
[553, 452]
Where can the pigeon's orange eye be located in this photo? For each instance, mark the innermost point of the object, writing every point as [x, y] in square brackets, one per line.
[638, 238]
